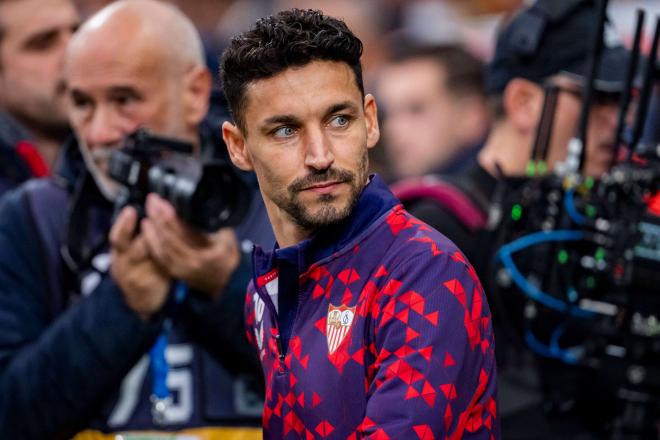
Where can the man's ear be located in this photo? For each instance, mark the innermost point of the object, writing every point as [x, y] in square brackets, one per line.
[236, 146]
[371, 120]
[523, 102]
[196, 94]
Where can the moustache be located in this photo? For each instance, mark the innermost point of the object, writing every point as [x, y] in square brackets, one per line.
[103, 154]
[331, 174]
[100, 155]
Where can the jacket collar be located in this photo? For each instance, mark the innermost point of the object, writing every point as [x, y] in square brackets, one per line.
[375, 200]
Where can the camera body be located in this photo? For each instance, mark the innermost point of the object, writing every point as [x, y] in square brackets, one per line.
[585, 255]
[206, 195]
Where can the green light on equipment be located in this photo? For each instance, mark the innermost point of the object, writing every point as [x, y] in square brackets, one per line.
[516, 212]
[531, 168]
[542, 168]
[590, 210]
[600, 254]
[591, 282]
[589, 182]
[562, 257]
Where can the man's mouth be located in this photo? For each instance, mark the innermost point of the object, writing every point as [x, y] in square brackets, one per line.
[323, 187]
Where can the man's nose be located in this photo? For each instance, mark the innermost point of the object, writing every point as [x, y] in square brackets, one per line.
[318, 151]
[104, 130]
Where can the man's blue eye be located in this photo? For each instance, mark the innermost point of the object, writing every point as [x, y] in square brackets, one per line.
[339, 121]
[285, 132]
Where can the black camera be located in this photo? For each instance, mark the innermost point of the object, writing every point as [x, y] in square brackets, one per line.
[207, 195]
[585, 255]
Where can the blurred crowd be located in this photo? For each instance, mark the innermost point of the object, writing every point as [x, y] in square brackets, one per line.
[423, 59]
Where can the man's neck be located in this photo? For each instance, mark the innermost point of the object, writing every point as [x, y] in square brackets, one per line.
[287, 232]
[291, 235]
[505, 152]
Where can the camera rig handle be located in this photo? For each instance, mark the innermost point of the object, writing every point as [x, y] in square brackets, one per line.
[592, 68]
[627, 92]
[645, 95]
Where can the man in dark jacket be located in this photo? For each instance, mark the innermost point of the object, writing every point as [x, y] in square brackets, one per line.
[545, 45]
[97, 336]
[435, 113]
[33, 122]
[531, 53]
[369, 324]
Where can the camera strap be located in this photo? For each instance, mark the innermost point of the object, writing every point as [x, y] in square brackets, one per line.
[161, 397]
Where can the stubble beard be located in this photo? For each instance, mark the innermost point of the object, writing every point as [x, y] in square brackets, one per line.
[45, 114]
[96, 163]
[328, 214]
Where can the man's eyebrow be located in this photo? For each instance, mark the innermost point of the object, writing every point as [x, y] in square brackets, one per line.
[281, 119]
[75, 92]
[295, 121]
[342, 106]
[123, 90]
[44, 35]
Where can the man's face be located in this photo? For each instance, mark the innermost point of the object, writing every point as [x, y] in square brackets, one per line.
[601, 130]
[420, 116]
[31, 54]
[114, 89]
[308, 131]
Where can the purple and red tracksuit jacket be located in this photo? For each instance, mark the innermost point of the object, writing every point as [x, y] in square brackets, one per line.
[374, 328]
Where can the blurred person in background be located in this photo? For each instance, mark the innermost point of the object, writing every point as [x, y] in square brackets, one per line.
[515, 80]
[212, 19]
[547, 43]
[33, 123]
[434, 104]
[217, 21]
[80, 313]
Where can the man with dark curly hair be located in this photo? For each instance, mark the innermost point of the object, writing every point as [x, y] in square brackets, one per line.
[368, 322]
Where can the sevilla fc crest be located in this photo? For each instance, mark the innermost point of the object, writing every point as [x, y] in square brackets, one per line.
[338, 325]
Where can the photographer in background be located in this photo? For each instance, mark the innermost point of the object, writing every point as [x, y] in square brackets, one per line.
[79, 315]
[547, 43]
[33, 122]
[532, 51]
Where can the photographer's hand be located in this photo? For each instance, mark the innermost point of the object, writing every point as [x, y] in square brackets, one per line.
[204, 261]
[145, 285]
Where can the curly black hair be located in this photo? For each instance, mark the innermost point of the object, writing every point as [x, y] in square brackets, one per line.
[291, 38]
